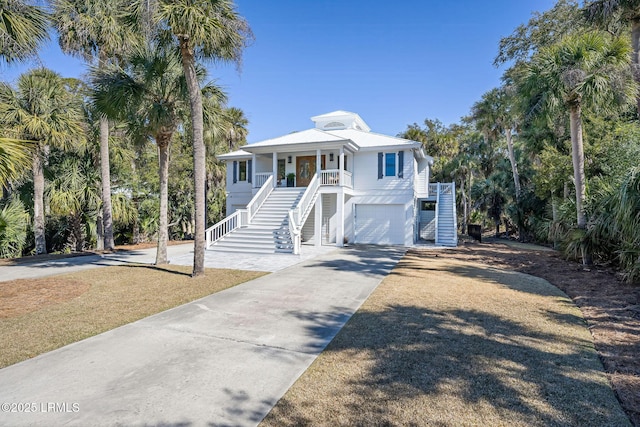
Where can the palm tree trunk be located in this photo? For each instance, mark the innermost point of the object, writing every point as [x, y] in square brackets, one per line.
[554, 218]
[516, 180]
[100, 233]
[577, 153]
[465, 207]
[514, 165]
[38, 203]
[107, 217]
[199, 154]
[77, 232]
[635, 41]
[163, 233]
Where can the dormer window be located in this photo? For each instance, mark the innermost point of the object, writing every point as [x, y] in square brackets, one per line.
[334, 125]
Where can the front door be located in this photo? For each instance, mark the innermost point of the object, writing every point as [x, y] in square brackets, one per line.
[305, 169]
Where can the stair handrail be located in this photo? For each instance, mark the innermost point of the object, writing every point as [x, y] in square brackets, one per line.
[455, 216]
[296, 234]
[259, 198]
[299, 213]
[306, 200]
[437, 239]
[224, 227]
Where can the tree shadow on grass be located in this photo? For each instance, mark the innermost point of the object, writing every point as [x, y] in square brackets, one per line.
[475, 357]
[163, 269]
[481, 365]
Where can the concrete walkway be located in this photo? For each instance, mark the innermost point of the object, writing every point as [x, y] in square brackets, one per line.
[177, 254]
[224, 360]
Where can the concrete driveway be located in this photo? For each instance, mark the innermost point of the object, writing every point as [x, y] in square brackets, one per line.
[177, 254]
[223, 360]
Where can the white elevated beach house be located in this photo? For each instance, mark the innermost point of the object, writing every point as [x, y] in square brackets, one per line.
[333, 184]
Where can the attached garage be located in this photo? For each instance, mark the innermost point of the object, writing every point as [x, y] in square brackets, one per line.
[380, 224]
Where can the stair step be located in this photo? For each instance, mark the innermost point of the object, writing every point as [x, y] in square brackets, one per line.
[251, 251]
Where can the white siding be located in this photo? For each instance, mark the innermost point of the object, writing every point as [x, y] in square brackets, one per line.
[428, 225]
[365, 173]
[422, 177]
[238, 194]
[329, 210]
[308, 230]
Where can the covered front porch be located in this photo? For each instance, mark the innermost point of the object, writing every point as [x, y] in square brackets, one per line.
[332, 166]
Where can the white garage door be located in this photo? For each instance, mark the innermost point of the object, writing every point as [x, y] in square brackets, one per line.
[380, 224]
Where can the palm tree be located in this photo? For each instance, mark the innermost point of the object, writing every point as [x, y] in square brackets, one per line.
[74, 192]
[95, 30]
[235, 127]
[583, 70]
[13, 228]
[618, 12]
[40, 110]
[15, 157]
[495, 114]
[153, 91]
[206, 29]
[23, 28]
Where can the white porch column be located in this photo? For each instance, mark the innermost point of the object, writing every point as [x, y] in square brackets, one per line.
[275, 169]
[341, 166]
[318, 221]
[253, 171]
[318, 162]
[340, 219]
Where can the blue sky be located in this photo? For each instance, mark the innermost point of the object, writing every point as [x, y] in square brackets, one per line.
[394, 63]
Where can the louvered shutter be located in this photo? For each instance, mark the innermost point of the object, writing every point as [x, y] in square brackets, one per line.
[235, 172]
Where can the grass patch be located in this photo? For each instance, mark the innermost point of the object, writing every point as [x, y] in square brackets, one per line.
[39, 315]
[449, 343]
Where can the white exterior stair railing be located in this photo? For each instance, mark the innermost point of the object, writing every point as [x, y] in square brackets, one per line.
[240, 218]
[260, 197]
[261, 178]
[299, 214]
[218, 231]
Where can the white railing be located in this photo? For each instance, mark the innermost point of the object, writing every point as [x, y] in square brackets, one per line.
[348, 179]
[433, 189]
[437, 191]
[260, 197]
[299, 214]
[295, 233]
[218, 231]
[455, 216]
[446, 188]
[261, 178]
[240, 218]
[330, 177]
[305, 201]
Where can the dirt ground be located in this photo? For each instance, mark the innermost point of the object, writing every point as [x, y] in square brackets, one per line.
[610, 306]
